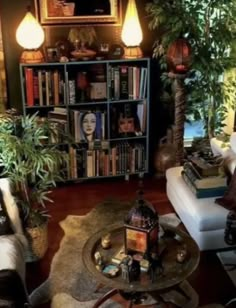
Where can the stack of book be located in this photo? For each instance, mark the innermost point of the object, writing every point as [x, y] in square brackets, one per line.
[202, 185]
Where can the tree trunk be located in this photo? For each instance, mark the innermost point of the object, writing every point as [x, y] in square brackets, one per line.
[180, 102]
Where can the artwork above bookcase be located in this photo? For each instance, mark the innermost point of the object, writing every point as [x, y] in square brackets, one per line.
[103, 105]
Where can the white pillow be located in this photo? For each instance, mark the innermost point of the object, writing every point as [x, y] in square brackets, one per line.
[233, 142]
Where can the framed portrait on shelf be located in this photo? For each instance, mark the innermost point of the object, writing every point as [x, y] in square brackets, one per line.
[60, 12]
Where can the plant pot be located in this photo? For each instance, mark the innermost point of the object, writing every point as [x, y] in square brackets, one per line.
[38, 242]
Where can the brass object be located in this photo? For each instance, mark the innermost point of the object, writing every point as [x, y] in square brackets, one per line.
[181, 254]
[106, 241]
[173, 273]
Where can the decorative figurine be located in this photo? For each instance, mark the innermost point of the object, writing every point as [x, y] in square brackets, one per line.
[98, 261]
[181, 254]
[134, 270]
[125, 264]
[156, 267]
[106, 241]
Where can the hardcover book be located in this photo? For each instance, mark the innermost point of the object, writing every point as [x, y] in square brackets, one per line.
[206, 167]
[203, 192]
[204, 182]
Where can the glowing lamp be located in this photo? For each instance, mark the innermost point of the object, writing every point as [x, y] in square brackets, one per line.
[179, 56]
[141, 228]
[132, 32]
[30, 36]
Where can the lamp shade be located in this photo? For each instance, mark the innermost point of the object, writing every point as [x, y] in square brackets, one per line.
[179, 56]
[131, 32]
[29, 33]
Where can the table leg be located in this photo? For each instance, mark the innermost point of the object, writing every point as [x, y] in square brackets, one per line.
[105, 297]
[182, 295]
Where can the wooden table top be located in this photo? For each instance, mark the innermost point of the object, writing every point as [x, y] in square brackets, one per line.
[173, 273]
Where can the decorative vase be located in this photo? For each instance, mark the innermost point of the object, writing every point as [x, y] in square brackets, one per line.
[165, 158]
[38, 242]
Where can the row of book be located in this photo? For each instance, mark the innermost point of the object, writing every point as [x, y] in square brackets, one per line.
[122, 158]
[44, 87]
[127, 82]
[201, 185]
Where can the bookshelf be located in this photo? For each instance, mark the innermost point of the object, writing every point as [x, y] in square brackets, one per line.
[103, 105]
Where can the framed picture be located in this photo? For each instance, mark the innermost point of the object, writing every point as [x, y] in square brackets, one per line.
[59, 12]
[51, 54]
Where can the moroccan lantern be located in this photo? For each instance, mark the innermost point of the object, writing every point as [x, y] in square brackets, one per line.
[141, 228]
[179, 56]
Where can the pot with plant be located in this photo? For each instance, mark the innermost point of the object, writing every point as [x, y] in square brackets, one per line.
[82, 38]
[33, 168]
[209, 27]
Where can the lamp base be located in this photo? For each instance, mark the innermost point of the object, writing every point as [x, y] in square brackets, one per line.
[133, 52]
[32, 56]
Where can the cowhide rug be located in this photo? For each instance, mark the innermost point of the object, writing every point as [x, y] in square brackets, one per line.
[69, 283]
[68, 278]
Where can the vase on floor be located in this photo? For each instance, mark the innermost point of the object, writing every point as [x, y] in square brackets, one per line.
[38, 242]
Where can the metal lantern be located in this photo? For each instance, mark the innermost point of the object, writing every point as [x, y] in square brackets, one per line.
[141, 228]
[179, 56]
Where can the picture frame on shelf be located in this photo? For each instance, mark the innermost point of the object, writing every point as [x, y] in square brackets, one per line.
[51, 54]
[60, 12]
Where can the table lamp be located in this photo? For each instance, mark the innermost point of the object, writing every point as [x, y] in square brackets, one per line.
[141, 228]
[30, 36]
[131, 33]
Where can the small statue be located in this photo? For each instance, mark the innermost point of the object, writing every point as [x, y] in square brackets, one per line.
[156, 267]
[106, 241]
[125, 265]
[98, 261]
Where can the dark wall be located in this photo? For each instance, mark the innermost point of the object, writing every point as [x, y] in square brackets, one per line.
[12, 13]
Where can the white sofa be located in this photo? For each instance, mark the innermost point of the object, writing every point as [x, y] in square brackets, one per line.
[203, 218]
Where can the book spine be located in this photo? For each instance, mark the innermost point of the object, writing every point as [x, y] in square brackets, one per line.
[29, 84]
[203, 182]
[124, 87]
[204, 192]
[189, 170]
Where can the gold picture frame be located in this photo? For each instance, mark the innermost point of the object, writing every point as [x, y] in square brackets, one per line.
[61, 12]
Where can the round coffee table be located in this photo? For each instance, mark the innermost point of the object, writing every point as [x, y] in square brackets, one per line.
[174, 273]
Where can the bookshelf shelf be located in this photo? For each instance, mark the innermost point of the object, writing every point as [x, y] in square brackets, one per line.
[108, 98]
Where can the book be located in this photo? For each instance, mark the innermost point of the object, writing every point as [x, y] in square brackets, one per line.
[206, 167]
[29, 85]
[119, 256]
[124, 82]
[203, 182]
[203, 192]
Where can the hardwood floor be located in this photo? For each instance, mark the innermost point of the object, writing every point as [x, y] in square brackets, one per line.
[209, 280]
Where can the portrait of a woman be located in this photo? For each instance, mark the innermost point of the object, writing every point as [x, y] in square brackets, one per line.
[128, 124]
[88, 125]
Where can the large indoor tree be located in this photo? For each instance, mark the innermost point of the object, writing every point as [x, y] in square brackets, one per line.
[209, 27]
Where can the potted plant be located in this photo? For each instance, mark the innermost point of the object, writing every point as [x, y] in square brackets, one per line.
[82, 38]
[33, 168]
[209, 27]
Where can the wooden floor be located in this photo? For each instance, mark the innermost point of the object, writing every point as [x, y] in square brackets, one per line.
[209, 280]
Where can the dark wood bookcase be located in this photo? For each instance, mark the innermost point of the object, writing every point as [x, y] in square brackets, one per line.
[103, 105]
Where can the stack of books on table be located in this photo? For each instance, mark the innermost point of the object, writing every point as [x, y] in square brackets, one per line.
[201, 185]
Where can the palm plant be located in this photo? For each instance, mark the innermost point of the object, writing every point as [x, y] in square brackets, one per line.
[209, 27]
[32, 166]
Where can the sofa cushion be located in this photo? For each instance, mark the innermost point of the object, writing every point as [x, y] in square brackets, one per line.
[205, 213]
